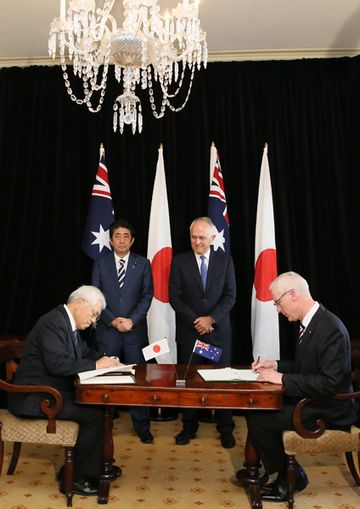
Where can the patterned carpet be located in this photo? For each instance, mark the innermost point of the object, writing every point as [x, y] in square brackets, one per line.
[165, 475]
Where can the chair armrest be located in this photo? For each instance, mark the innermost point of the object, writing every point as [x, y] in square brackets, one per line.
[50, 410]
[320, 423]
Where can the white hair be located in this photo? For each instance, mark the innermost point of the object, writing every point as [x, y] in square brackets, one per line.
[290, 281]
[208, 221]
[90, 294]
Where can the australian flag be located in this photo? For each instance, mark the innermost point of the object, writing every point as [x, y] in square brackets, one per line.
[96, 240]
[217, 207]
[208, 351]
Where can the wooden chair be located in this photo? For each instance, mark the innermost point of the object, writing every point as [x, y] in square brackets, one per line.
[39, 431]
[320, 441]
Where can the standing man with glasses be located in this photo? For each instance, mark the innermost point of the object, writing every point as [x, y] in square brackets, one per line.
[54, 354]
[125, 279]
[322, 367]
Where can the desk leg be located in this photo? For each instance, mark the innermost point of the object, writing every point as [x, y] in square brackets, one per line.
[104, 484]
[250, 475]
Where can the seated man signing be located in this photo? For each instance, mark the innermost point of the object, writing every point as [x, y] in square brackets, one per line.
[322, 367]
[53, 355]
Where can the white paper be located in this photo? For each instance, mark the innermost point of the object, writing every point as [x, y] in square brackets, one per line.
[228, 375]
[108, 379]
[124, 368]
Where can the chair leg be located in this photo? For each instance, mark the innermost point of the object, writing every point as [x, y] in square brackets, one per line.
[352, 468]
[290, 476]
[69, 474]
[14, 458]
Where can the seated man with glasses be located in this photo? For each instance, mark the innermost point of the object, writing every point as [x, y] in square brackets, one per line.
[53, 355]
[322, 367]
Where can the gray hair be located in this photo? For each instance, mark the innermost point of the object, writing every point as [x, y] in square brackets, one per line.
[206, 220]
[290, 280]
[90, 294]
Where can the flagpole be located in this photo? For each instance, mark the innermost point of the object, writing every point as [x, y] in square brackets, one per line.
[182, 383]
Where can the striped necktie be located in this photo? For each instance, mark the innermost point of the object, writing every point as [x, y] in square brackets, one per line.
[301, 331]
[121, 272]
[203, 270]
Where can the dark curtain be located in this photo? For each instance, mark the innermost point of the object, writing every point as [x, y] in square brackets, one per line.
[306, 110]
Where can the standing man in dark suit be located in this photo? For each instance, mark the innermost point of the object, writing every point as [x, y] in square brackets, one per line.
[202, 293]
[322, 367]
[126, 281]
[53, 355]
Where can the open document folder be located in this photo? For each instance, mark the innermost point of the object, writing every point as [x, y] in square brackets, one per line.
[228, 375]
[120, 375]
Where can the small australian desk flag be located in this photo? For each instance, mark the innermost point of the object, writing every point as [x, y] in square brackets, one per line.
[208, 351]
[96, 241]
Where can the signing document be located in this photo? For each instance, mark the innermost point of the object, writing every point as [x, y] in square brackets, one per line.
[228, 375]
[121, 375]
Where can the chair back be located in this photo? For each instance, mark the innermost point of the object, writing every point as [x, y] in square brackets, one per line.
[10, 355]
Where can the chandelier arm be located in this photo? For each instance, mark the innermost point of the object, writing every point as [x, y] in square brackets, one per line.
[87, 92]
[175, 110]
[174, 94]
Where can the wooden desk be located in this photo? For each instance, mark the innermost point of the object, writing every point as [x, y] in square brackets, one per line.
[155, 385]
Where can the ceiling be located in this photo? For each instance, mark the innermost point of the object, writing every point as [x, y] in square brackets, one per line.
[236, 29]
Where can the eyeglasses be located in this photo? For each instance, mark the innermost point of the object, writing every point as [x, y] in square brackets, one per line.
[95, 315]
[277, 302]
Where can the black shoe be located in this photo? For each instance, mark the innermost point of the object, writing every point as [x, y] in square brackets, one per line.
[84, 487]
[279, 493]
[184, 437]
[227, 440]
[146, 437]
[115, 472]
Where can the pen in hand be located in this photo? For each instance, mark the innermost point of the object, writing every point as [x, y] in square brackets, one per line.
[257, 362]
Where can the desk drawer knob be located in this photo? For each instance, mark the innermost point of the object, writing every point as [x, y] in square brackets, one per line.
[203, 399]
[251, 401]
[105, 397]
[155, 398]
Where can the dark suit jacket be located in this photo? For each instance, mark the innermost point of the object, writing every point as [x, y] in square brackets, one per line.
[190, 301]
[131, 301]
[50, 357]
[322, 366]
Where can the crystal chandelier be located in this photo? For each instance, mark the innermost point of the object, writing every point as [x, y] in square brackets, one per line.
[149, 48]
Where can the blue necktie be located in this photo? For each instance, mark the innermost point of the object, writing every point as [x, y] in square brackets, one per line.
[203, 270]
[121, 273]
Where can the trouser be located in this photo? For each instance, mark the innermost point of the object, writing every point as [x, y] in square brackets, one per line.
[191, 420]
[88, 452]
[265, 429]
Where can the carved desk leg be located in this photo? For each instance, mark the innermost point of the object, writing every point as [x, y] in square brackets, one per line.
[249, 476]
[104, 484]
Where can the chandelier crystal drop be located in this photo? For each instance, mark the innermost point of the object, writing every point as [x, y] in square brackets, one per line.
[149, 48]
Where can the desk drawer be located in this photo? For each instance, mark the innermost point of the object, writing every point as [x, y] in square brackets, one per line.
[186, 398]
[227, 400]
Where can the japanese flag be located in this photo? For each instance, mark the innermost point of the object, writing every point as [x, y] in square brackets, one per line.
[155, 349]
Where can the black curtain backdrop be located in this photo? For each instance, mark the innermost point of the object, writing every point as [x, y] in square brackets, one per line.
[307, 111]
